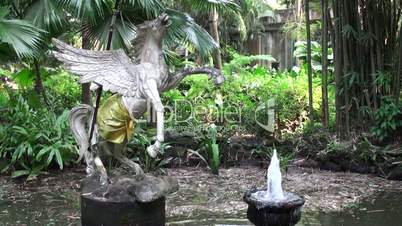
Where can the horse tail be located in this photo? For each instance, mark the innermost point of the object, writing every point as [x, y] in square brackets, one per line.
[80, 118]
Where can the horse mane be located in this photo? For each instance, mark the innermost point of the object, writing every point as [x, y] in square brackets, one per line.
[138, 42]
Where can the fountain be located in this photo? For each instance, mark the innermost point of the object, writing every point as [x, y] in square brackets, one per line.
[272, 206]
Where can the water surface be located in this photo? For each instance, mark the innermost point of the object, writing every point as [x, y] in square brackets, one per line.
[383, 210]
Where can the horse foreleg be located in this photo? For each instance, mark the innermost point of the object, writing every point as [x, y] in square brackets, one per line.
[151, 90]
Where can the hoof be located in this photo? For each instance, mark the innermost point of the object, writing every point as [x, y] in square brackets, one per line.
[139, 174]
[90, 170]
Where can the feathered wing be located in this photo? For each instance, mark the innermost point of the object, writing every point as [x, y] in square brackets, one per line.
[111, 69]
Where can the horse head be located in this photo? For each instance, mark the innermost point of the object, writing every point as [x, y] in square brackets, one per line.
[156, 28]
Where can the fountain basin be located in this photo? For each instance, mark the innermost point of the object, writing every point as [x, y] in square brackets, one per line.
[267, 212]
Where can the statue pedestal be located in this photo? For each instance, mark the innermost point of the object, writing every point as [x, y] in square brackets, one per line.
[126, 201]
[97, 212]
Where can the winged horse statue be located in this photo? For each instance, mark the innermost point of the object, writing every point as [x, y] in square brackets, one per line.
[133, 82]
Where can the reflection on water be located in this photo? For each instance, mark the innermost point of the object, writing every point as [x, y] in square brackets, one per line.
[44, 208]
[39, 208]
[384, 210]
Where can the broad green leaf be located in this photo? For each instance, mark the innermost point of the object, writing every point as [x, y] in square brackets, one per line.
[20, 173]
[58, 158]
[20, 130]
[50, 157]
[42, 152]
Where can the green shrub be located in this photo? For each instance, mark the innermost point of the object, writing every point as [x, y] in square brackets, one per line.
[211, 149]
[300, 52]
[34, 140]
[62, 89]
[137, 146]
[241, 94]
[387, 119]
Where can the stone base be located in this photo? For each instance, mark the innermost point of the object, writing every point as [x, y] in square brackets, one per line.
[95, 212]
[266, 217]
[269, 213]
[125, 201]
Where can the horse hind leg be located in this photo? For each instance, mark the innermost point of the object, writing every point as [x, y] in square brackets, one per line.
[101, 169]
[126, 161]
[100, 148]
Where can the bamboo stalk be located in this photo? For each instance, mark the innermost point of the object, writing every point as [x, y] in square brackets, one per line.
[309, 67]
[324, 85]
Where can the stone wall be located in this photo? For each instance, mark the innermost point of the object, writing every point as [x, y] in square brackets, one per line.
[273, 40]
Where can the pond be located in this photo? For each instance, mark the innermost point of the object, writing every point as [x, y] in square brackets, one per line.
[384, 209]
[204, 199]
[61, 209]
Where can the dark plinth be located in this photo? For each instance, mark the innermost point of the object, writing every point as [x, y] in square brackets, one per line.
[125, 201]
[267, 213]
[95, 212]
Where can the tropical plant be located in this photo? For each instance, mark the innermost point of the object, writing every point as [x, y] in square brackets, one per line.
[96, 17]
[242, 62]
[245, 23]
[211, 149]
[139, 142]
[210, 9]
[300, 52]
[362, 54]
[33, 140]
[232, 106]
[17, 36]
[93, 19]
[387, 119]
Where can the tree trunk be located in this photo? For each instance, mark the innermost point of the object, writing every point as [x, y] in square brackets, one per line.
[299, 11]
[215, 35]
[38, 82]
[309, 68]
[325, 117]
[85, 87]
[397, 79]
[337, 38]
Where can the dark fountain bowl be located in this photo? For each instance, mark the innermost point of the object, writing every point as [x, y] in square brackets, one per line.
[273, 213]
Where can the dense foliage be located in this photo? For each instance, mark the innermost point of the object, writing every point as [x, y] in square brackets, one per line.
[44, 136]
[34, 139]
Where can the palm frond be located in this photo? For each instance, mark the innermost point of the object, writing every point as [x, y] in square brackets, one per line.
[206, 6]
[151, 8]
[23, 37]
[88, 11]
[123, 33]
[184, 30]
[246, 21]
[48, 15]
